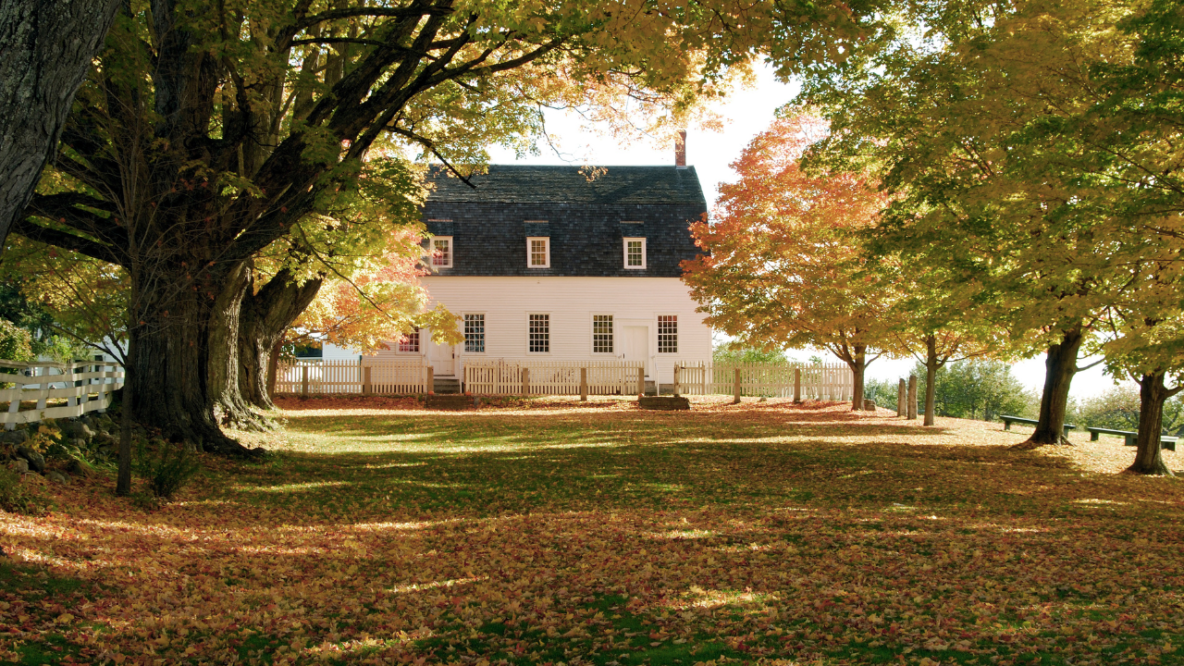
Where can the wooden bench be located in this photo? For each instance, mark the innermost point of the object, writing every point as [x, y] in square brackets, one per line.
[1008, 420]
[1166, 441]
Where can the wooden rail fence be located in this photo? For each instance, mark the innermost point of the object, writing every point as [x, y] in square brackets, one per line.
[75, 389]
[364, 377]
[775, 380]
[554, 377]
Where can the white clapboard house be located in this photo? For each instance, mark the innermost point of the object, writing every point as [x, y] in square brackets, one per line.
[541, 263]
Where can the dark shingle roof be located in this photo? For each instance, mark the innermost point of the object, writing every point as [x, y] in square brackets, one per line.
[568, 184]
[586, 221]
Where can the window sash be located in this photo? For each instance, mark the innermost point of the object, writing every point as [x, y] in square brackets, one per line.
[538, 252]
[634, 252]
[442, 252]
[668, 334]
[540, 334]
[409, 343]
[602, 334]
[475, 333]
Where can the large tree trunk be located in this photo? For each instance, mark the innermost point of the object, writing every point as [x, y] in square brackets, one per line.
[46, 47]
[1152, 394]
[172, 373]
[932, 365]
[229, 404]
[857, 361]
[265, 317]
[1060, 365]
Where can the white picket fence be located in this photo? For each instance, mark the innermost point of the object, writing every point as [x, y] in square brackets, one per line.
[85, 386]
[554, 377]
[817, 382]
[366, 376]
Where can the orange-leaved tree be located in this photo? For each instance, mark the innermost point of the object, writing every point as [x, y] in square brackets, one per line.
[783, 265]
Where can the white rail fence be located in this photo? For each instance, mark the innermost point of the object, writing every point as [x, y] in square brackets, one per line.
[555, 377]
[38, 391]
[818, 382]
[382, 377]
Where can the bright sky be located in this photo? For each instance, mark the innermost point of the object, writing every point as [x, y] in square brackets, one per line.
[746, 114]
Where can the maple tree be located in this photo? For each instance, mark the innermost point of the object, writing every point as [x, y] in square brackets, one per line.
[47, 47]
[783, 265]
[206, 133]
[985, 130]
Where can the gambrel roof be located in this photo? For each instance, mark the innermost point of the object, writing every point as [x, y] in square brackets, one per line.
[585, 219]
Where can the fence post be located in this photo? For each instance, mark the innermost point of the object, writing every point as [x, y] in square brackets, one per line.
[641, 380]
[900, 398]
[912, 398]
[797, 386]
[583, 384]
[736, 388]
[367, 385]
[525, 381]
[676, 369]
[304, 380]
[430, 385]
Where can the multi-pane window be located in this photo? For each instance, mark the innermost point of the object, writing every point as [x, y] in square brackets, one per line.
[442, 252]
[634, 253]
[602, 334]
[668, 334]
[538, 252]
[475, 333]
[409, 343]
[540, 333]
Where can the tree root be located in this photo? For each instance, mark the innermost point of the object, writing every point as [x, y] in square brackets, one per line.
[1156, 470]
[1031, 444]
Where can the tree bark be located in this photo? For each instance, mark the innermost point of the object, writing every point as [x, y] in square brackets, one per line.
[123, 476]
[265, 317]
[229, 405]
[857, 361]
[1148, 455]
[932, 365]
[1060, 365]
[46, 48]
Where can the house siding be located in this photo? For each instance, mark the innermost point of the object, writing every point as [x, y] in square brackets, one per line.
[506, 302]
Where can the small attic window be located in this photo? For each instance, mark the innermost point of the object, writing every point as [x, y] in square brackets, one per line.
[536, 221]
[631, 222]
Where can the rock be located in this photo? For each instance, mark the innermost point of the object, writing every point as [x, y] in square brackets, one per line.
[79, 443]
[106, 439]
[56, 476]
[85, 432]
[36, 460]
[20, 465]
[14, 436]
[78, 467]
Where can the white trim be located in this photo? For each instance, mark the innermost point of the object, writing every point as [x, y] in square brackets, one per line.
[529, 255]
[592, 330]
[632, 222]
[536, 221]
[432, 251]
[550, 336]
[625, 252]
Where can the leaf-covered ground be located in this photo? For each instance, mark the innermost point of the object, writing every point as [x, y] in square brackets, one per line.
[548, 532]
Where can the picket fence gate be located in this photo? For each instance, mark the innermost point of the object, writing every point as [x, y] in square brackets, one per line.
[554, 377]
[365, 376]
[86, 386]
[776, 380]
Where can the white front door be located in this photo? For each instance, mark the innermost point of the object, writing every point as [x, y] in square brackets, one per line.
[637, 345]
[442, 358]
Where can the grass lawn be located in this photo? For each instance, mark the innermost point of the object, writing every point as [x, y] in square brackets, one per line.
[550, 531]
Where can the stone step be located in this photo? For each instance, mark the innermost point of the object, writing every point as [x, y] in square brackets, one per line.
[445, 385]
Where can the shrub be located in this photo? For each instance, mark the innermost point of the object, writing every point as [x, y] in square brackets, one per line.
[168, 470]
[15, 496]
[15, 342]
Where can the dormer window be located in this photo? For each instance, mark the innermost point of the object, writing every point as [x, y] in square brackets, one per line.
[634, 253]
[538, 252]
[442, 252]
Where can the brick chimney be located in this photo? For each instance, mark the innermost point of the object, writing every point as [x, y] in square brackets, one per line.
[680, 150]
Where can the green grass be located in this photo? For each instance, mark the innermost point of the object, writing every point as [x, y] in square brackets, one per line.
[597, 535]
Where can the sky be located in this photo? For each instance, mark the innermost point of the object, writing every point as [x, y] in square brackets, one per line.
[746, 113]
